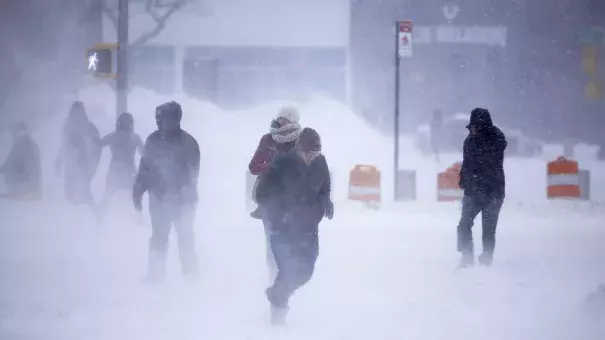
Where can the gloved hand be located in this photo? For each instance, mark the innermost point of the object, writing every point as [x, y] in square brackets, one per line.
[329, 210]
[138, 202]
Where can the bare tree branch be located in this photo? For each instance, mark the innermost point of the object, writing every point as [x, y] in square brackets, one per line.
[113, 17]
[149, 5]
[160, 21]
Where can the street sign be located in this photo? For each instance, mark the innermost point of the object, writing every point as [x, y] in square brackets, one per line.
[405, 39]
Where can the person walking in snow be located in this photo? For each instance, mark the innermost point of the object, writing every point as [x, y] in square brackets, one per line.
[79, 156]
[295, 195]
[285, 129]
[22, 169]
[436, 132]
[483, 181]
[123, 144]
[168, 172]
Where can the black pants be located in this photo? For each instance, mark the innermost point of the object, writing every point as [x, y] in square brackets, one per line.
[163, 216]
[295, 255]
[490, 210]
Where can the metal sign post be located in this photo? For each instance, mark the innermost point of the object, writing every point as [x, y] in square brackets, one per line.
[122, 80]
[403, 49]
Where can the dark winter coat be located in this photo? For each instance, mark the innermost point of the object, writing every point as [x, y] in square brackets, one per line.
[169, 168]
[265, 152]
[296, 195]
[482, 173]
[80, 149]
[22, 170]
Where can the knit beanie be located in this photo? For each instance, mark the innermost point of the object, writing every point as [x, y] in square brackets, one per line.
[290, 113]
[308, 141]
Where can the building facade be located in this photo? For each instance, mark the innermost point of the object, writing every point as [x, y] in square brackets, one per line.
[240, 53]
[460, 57]
[521, 59]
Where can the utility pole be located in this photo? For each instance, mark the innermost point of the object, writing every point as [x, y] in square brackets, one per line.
[396, 112]
[122, 72]
[403, 49]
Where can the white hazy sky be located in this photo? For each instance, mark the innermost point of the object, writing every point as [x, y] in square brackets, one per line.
[317, 23]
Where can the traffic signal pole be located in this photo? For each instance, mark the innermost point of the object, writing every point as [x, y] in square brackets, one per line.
[403, 49]
[122, 59]
[396, 113]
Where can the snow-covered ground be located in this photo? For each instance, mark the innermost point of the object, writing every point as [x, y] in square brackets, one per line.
[382, 274]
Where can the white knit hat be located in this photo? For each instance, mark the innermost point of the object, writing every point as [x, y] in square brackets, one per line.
[290, 113]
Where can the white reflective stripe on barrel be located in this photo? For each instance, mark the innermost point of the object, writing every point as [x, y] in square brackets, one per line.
[363, 190]
[563, 179]
[457, 193]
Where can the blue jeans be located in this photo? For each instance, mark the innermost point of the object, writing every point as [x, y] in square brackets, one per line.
[490, 211]
[295, 255]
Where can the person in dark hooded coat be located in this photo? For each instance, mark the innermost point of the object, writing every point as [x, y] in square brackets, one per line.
[285, 129]
[168, 172]
[22, 169]
[483, 181]
[79, 155]
[123, 144]
[436, 132]
[295, 193]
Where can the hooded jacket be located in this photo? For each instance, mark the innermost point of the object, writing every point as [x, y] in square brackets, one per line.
[22, 166]
[482, 173]
[295, 194]
[170, 165]
[80, 149]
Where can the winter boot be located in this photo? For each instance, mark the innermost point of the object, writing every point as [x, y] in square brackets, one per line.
[486, 259]
[191, 273]
[278, 311]
[156, 272]
[467, 260]
[278, 316]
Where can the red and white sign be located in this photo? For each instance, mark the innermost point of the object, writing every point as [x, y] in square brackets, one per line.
[405, 39]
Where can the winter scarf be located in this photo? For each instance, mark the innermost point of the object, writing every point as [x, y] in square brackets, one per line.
[286, 134]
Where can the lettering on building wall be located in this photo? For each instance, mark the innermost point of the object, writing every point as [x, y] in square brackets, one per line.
[450, 11]
[448, 34]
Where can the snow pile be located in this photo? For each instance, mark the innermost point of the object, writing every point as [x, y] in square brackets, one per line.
[381, 274]
[228, 140]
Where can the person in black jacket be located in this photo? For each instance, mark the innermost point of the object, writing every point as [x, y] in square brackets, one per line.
[436, 131]
[482, 179]
[79, 156]
[123, 144]
[295, 192]
[168, 172]
[22, 169]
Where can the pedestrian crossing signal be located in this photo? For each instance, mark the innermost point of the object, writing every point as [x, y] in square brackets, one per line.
[99, 60]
